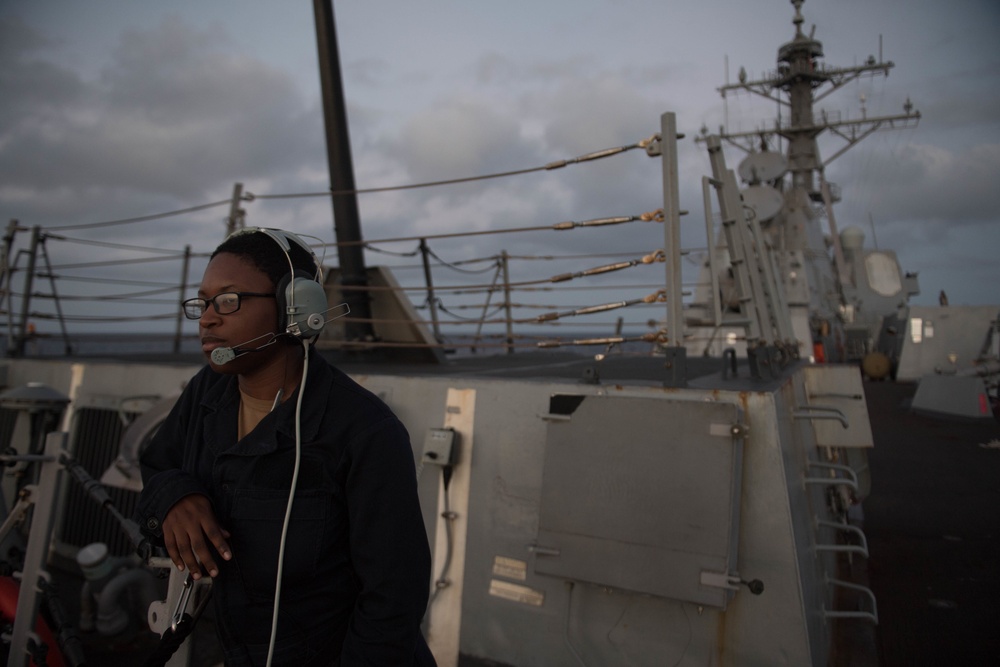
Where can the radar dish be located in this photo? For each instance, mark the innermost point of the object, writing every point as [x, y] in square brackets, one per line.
[883, 274]
[765, 166]
[765, 201]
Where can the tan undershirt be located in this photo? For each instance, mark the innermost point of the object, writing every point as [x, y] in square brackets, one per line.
[252, 410]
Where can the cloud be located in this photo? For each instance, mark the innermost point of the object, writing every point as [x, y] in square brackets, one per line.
[922, 183]
[459, 137]
[32, 87]
[180, 109]
[170, 115]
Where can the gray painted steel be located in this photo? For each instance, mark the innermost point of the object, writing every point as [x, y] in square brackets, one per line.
[615, 472]
[589, 606]
[940, 339]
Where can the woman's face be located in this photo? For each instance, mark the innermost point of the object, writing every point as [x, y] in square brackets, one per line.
[251, 326]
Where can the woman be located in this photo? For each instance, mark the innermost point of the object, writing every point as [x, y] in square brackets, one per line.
[217, 479]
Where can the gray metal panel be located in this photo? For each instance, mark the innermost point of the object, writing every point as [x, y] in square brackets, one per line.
[642, 495]
[945, 339]
[955, 395]
[837, 391]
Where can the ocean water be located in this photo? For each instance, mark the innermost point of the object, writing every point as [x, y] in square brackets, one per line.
[145, 344]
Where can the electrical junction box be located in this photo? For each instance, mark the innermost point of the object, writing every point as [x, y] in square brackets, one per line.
[439, 447]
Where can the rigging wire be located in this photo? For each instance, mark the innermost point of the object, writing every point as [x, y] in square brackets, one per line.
[652, 216]
[114, 281]
[492, 262]
[691, 252]
[108, 244]
[513, 305]
[114, 262]
[103, 318]
[558, 164]
[431, 253]
[412, 253]
[486, 318]
[492, 287]
[124, 298]
[561, 288]
[455, 267]
[144, 218]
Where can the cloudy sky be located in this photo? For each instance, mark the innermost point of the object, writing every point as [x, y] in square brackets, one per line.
[114, 109]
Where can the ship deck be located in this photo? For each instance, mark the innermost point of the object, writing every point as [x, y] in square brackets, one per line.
[932, 518]
[933, 527]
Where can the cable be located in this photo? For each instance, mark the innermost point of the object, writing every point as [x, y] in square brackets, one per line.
[687, 616]
[442, 581]
[137, 297]
[113, 281]
[144, 218]
[484, 319]
[108, 244]
[290, 308]
[412, 253]
[100, 318]
[291, 497]
[653, 216]
[558, 164]
[455, 267]
[116, 262]
[569, 614]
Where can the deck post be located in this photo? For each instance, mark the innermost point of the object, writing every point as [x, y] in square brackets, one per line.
[676, 354]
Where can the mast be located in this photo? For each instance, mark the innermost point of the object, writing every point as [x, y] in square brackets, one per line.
[797, 76]
[346, 219]
[789, 194]
[796, 84]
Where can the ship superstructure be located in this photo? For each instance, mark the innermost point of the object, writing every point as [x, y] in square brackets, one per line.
[837, 291]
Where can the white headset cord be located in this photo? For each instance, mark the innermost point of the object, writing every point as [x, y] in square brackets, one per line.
[291, 498]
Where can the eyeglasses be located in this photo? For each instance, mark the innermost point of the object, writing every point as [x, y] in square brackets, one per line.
[224, 304]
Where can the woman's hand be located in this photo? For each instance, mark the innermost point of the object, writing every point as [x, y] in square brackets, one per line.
[188, 529]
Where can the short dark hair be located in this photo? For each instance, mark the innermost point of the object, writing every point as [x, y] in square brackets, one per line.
[266, 255]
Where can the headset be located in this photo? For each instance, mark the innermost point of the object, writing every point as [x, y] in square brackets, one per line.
[301, 298]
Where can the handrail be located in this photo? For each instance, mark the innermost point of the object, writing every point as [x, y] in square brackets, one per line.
[867, 615]
[846, 548]
[832, 481]
[825, 412]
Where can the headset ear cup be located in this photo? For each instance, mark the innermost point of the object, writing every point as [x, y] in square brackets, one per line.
[281, 302]
[310, 304]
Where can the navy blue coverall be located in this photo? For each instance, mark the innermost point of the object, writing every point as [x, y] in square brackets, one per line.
[357, 562]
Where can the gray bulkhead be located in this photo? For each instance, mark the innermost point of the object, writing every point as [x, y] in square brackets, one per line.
[607, 524]
[627, 545]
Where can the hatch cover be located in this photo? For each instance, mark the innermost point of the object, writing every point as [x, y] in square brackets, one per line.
[642, 494]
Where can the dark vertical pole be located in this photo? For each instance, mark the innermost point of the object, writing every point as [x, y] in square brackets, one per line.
[675, 354]
[346, 220]
[180, 312]
[29, 277]
[431, 300]
[506, 300]
[7, 281]
[55, 297]
[235, 219]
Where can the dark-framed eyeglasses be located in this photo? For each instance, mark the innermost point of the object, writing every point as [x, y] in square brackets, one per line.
[224, 304]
